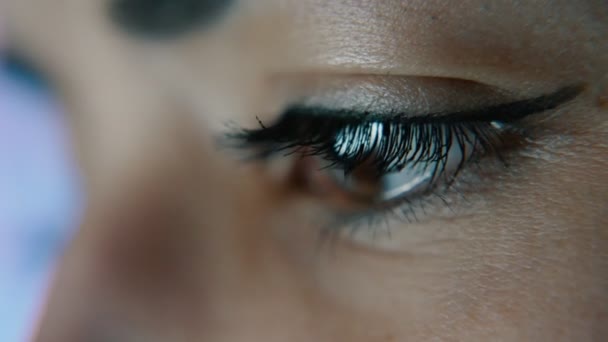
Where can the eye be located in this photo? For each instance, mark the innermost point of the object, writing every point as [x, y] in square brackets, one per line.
[167, 18]
[369, 162]
[428, 154]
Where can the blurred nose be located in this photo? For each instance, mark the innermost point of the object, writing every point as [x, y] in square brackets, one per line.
[174, 248]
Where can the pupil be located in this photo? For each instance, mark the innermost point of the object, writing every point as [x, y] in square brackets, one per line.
[167, 18]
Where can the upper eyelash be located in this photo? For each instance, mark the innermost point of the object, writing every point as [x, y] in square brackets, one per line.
[305, 125]
[388, 145]
[387, 140]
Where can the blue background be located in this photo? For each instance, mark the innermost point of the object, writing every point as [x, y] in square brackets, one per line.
[38, 197]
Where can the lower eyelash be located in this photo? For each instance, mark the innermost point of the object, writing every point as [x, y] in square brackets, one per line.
[441, 199]
[389, 146]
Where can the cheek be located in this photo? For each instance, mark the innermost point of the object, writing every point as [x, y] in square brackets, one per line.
[548, 236]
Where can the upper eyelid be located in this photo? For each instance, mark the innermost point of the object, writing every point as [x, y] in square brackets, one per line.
[300, 123]
[505, 112]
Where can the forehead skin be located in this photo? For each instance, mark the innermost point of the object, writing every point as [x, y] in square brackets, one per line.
[468, 39]
[410, 37]
[173, 247]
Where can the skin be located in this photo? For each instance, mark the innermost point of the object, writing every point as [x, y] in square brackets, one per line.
[182, 242]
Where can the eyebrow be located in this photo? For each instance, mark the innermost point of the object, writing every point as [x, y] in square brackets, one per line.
[163, 19]
[299, 118]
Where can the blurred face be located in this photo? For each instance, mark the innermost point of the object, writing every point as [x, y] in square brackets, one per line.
[314, 170]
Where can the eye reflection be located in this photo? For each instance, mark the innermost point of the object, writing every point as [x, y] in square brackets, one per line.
[414, 172]
[367, 183]
[364, 185]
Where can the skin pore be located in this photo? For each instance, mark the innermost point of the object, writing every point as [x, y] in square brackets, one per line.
[181, 241]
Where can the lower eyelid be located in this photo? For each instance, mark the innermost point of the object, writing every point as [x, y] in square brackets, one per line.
[458, 200]
[443, 199]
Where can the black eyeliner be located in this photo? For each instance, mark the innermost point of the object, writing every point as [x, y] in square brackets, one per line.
[297, 123]
[505, 112]
[513, 111]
